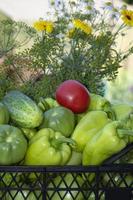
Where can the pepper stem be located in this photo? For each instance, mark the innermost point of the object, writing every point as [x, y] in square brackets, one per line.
[128, 121]
[109, 111]
[124, 132]
[43, 104]
[56, 142]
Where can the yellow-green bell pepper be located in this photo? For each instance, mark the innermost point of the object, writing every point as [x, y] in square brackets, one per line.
[98, 103]
[29, 133]
[110, 140]
[75, 159]
[88, 126]
[48, 147]
[122, 110]
[101, 103]
[124, 113]
[47, 103]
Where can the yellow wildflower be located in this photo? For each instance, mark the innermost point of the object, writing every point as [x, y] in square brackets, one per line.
[44, 26]
[40, 25]
[49, 27]
[127, 17]
[71, 32]
[82, 26]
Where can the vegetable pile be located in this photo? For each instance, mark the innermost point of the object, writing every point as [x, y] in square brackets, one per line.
[77, 127]
[74, 128]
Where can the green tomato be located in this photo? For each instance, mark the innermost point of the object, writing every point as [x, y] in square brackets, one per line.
[59, 119]
[13, 145]
[4, 114]
[69, 188]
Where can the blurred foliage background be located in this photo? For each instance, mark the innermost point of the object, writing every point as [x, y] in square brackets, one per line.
[128, 1]
[122, 88]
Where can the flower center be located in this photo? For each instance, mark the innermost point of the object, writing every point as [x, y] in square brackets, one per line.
[128, 17]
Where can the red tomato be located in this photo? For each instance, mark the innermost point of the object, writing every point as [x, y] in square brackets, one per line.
[73, 95]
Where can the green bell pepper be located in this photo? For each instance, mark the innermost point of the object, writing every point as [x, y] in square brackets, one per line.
[13, 145]
[98, 103]
[122, 110]
[101, 103]
[4, 114]
[88, 126]
[59, 119]
[29, 133]
[48, 147]
[128, 123]
[110, 140]
[68, 188]
[47, 103]
[75, 159]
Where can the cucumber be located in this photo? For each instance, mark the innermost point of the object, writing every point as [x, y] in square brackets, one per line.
[24, 112]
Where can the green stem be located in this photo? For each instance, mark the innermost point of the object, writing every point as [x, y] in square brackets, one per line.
[110, 112]
[57, 142]
[43, 104]
[124, 132]
[128, 121]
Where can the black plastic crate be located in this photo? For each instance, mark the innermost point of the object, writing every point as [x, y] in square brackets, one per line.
[106, 182]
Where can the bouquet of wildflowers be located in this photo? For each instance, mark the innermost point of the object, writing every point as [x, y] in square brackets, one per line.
[75, 41]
